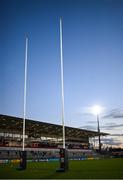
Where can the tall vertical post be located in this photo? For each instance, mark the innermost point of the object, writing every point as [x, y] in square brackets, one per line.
[98, 129]
[23, 155]
[63, 152]
[25, 87]
[62, 83]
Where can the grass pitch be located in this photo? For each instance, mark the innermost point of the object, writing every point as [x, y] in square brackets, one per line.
[87, 169]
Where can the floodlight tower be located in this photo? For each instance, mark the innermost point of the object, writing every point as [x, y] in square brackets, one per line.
[96, 110]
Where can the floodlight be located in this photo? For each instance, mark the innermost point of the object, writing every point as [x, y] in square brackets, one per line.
[96, 109]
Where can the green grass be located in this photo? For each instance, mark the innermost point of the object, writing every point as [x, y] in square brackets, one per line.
[88, 169]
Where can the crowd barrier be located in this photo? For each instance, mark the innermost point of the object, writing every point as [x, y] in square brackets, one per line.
[6, 161]
[16, 161]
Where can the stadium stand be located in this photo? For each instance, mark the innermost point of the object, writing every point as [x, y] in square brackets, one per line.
[42, 140]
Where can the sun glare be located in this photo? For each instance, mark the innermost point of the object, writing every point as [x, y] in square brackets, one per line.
[96, 109]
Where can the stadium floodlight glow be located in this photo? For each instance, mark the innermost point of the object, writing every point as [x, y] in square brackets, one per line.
[96, 110]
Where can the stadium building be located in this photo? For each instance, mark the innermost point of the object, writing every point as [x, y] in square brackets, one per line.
[42, 140]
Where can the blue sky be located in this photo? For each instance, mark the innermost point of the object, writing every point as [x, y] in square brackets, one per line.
[93, 60]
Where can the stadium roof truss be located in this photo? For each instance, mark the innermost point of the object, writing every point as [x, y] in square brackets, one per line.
[37, 129]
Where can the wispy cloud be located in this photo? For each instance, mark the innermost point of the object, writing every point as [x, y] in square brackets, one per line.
[117, 135]
[114, 113]
[88, 127]
[111, 126]
[111, 141]
[91, 122]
